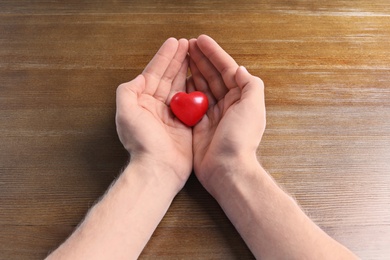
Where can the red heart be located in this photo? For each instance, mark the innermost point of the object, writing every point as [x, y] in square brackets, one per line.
[189, 108]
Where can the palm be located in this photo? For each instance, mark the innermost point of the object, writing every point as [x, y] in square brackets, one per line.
[161, 131]
[220, 134]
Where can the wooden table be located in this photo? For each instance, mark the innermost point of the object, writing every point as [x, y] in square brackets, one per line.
[326, 67]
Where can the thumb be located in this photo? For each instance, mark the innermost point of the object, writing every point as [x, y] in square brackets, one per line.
[127, 93]
[244, 78]
[251, 86]
[252, 91]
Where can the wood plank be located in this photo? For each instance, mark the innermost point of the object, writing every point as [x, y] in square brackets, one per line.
[326, 67]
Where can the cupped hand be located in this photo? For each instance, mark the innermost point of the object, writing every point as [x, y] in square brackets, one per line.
[234, 124]
[145, 124]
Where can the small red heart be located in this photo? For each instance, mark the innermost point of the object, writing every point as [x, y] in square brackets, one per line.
[189, 108]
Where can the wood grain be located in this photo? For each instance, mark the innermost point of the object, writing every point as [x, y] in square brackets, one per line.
[326, 67]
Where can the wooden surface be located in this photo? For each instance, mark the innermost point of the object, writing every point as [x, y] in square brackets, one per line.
[326, 67]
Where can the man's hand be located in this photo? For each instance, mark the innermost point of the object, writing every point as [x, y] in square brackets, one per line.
[235, 121]
[145, 124]
[121, 223]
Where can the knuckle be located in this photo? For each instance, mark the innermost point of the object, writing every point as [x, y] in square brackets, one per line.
[121, 88]
[259, 81]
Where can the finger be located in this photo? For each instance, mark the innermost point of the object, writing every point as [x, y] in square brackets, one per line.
[197, 76]
[156, 68]
[179, 83]
[222, 61]
[190, 85]
[173, 70]
[200, 83]
[206, 72]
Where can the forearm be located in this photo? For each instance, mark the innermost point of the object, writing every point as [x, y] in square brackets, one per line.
[119, 226]
[270, 221]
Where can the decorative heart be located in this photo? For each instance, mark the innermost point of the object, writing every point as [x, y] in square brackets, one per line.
[189, 108]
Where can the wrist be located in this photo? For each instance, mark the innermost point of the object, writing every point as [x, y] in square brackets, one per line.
[231, 172]
[157, 173]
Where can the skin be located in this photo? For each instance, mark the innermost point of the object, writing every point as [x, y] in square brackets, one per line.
[221, 152]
